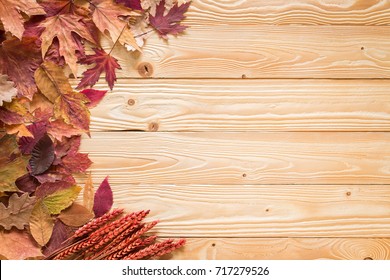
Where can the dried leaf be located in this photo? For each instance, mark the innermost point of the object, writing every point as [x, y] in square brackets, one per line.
[12, 164]
[49, 188]
[42, 155]
[88, 194]
[27, 183]
[103, 63]
[7, 90]
[76, 215]
[59, 129]
[94, 96]
[62, 199]
[107, 17]
[60, 234]
[61, 27]
[18, 129]
[11, 17]
[103, 199]
[169, 23]
[18, 212]
[41, 224]
[132, 4]
[18, 245]
[26, 144]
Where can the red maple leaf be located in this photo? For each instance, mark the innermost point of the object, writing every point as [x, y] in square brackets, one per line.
[104, 62]
[170, 23]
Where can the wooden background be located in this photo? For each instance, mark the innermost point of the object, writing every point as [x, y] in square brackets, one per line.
[262, 133]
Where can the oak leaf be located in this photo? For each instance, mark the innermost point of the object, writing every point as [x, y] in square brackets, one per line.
[76, 215]
[169, 23]
[103, 63]
[103, 199]
[107, 17]
[18, 212]
[61, 199]
[11, 17]
[18, 245]
[42, 155]
[7, 90]
[41, 224]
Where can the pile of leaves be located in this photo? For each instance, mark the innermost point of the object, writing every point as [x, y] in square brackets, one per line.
[42, 117]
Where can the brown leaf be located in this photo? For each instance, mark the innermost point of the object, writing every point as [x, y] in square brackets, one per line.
[89, 193]
[41, 224]
[18, 245]
[42, 156]
[18, 212]
[76, 215]
[7, 90]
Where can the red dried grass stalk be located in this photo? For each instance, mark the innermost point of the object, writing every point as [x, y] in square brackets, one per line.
[140, 243]
[157, 249]
[73, 249]
[170, 248]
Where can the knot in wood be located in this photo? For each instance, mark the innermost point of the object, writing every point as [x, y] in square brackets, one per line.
[153, 126]
[145, 69]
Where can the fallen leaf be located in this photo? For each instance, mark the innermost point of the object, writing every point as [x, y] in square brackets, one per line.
[76, 215]
[62, 199]
[7, 90]
[132, 4]
[12, 164]
[11, 17]
[60, 234]
[18, 245]
[94, 96]
[18, 129]
[107, 17]
[103, 199]
[59, 129]
[10, 118]
[49, 188]
[88, 194]
[26, 144]
[41, 224]
[27, 183]
[42, 155]
[103, 63]
[76, 163]
[169, 23]
[18, 212]
[61, 27]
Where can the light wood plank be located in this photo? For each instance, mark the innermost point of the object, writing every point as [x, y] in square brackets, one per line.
[260, 210]
[241, 158]
[285, 12]
[244, 105]
[232, 51]
[283, 249]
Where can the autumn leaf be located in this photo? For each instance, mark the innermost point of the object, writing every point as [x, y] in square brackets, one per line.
[88, 194]
[60, 235]
[60, 200]
[41, 224]
[132, 4]
[19, 129]
[169, 23]
[42, 155]
[48, 188]
[10, 118]
[27, 183]
[26, 144]
[76, 163]
[103, 63]
[7, 90]
[19, 60]
[59, 129]
[52, 81]
[11, 17]
[76, 215]
[103, 199]
[107, 17]
[12, 164]
[18, 212]
[61, 27]
[94, 96]
[18, 245]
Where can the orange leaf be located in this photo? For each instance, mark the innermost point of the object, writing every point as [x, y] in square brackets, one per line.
[18, 245]
[76, 215]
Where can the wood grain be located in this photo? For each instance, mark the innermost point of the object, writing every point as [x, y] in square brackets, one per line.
[260, 210]
[244, 105]
[282, 12]
[283, 249]
[241, 158]
[263, 52]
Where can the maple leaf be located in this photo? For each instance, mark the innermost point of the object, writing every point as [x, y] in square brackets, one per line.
[41, 224]
[94, 96]
[170, 23]
[7, 90]
[10, 14]
[12, 164]
[61, 199]
[18, 212]
[132, 4]
[18, 245]
[59, 129]
[42, 155]
[103, 199]
[76, 163]
[107, 17]
[19, 60]
[76, 215]
[61, 27]
[103, 63]
[19, 129]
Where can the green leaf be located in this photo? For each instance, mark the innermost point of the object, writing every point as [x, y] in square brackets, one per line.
[62, 199]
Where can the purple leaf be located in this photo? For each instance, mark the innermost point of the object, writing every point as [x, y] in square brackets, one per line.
[94, 96]
[27, 183]
[103, 199]
[42, 155]
[26, 144]
[60, 234]
[132, 4]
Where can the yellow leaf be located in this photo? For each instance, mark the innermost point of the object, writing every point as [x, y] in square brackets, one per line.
[19, 129]
[88, 195]
[62, 199]
[41, 224]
